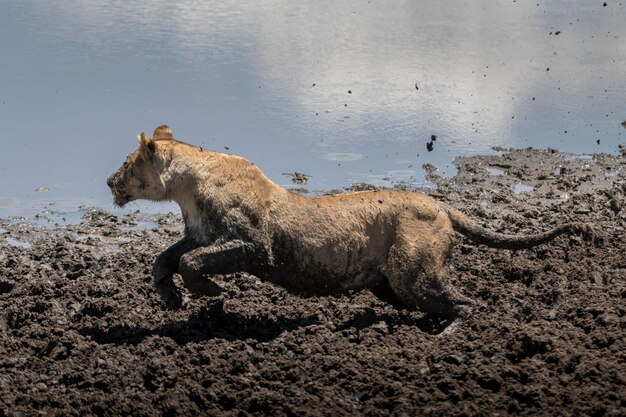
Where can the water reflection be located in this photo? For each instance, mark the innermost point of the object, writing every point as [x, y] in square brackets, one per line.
[343, 156]
[344, 91]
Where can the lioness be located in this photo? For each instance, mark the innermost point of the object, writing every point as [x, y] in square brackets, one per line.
[236, 219]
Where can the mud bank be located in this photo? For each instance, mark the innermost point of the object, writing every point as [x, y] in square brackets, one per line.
[82, 332]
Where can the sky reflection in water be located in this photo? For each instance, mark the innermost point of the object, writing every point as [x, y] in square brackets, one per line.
[325, 88]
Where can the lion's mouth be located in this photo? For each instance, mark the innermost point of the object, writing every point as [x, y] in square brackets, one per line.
[120, 199]
[120, 202]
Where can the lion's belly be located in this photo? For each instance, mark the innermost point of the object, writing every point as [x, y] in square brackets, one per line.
[329, 246]
[317, 280]
[327, 266]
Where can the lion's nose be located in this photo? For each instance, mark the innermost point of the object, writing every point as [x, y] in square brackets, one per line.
[110, 182]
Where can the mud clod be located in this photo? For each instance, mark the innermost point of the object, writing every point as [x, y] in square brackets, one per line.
[298, 177]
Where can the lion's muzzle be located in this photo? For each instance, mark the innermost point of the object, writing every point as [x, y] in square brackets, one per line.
[116, 184]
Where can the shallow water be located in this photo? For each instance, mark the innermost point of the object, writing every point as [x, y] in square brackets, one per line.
[343, 91]
[51, 213]
[495, 172]
[522, 188]
[141, 225]
[18, 243]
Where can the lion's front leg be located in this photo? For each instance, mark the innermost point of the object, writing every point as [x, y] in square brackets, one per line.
[164, 268]
[219, 258]
[166, 264]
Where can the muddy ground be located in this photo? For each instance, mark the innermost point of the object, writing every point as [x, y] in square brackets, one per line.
[82, 332]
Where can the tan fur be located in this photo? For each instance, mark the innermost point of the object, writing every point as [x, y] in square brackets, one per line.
[236, 219]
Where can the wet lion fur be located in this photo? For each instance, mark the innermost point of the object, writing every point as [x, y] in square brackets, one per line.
[236, 219]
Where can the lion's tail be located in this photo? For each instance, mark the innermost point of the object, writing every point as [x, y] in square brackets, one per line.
[468, 227]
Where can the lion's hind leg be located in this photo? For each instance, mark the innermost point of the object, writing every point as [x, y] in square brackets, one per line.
[416, 272]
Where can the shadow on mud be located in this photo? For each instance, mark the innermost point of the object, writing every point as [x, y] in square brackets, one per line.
[429, 323]
[212, 322]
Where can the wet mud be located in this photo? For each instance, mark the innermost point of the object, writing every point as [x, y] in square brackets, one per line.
[83, 332]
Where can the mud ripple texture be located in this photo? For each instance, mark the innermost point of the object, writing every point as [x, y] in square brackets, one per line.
[82, 332]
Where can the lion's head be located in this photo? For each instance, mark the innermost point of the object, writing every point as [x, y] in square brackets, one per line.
[139, 177]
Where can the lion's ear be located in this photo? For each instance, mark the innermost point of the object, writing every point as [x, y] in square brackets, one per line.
[162, 132]
[146, 146]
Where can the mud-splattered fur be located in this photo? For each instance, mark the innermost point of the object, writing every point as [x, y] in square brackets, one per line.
[236, 219]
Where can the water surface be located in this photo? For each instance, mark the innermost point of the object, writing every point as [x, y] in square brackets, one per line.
[345, 91]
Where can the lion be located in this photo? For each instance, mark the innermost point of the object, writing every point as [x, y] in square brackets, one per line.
[238, 220]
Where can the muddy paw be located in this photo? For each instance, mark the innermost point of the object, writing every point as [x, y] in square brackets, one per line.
[170, 294]
[173, 299]
[597, 237]
[199, 286]
[590, 233]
